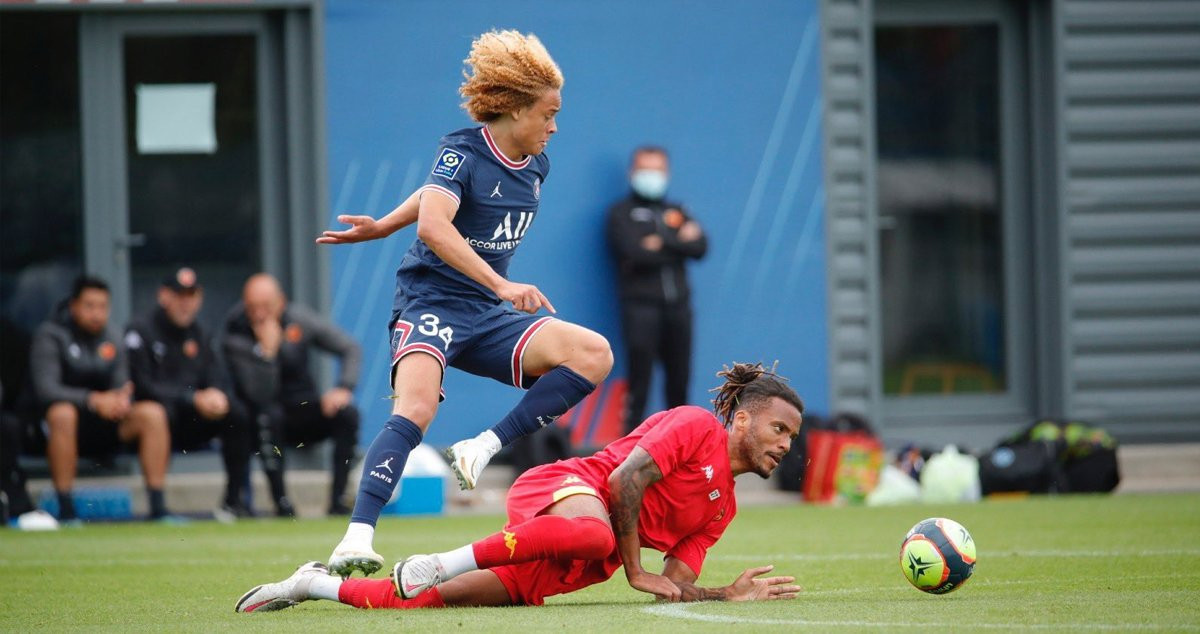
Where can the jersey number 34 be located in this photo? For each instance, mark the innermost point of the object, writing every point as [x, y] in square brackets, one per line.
[429, 327]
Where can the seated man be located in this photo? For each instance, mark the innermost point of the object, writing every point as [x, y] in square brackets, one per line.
[267, 344]
[173, 365]
[81, 379]
[668, 485]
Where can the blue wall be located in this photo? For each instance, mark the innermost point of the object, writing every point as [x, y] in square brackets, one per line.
[731, 89]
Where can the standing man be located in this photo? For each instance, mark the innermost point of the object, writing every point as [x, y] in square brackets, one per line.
[652, 239]
[172, 363]
[267, 345]
[81, 379]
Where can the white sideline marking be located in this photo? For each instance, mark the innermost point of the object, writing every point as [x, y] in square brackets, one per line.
[684, 611]
[1179, 552]
[904, 589]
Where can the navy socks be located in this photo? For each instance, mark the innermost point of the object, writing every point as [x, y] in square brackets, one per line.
[382, 467]
[551, 396]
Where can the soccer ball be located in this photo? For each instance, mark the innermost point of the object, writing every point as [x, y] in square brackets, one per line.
[937, 556]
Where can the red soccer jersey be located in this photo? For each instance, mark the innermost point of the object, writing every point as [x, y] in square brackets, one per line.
[687, 511]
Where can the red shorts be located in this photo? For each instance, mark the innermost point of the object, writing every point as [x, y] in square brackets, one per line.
[535, 491]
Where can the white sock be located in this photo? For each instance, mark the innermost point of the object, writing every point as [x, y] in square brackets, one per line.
[458, 561]
[324, 587]
[359, 533]
[490, 441]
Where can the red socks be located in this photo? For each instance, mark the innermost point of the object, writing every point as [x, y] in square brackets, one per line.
[380, 593]
[546, 537]
[543, 537]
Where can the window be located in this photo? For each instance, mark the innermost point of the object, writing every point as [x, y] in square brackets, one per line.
[953, 206]
[941, 239]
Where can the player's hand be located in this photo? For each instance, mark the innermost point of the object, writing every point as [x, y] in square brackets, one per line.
[690, 231]
[335, 400]
[524, 297]
[747, 587]
[658, 585]
[269, 334]
[210, 403]
[652, 243]
[113, 404]
[362, 228]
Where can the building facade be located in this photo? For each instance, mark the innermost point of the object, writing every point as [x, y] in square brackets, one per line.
[951, 217]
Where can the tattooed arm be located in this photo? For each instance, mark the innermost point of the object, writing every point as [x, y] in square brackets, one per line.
[745, 588]
[627, 485]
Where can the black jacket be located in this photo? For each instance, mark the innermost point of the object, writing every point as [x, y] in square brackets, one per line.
[168, 363]
[287, 378]
[651, 276]
[65, 363]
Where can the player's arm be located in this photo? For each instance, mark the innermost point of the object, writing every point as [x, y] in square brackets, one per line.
[147, 382]
[364, 228]
[630, 240]
[689, 240]
[747, 587]
[627, 486]
[436, 229]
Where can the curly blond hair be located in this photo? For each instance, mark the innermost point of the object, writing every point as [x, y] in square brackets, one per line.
[509, 71]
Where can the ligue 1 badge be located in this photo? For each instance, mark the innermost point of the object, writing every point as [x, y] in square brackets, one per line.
[448, 163]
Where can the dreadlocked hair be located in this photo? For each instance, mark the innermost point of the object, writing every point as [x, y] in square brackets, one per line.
[750, 386]
[509, 71]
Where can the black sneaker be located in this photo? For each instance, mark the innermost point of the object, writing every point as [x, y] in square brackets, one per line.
[229, 513]
[284, 508]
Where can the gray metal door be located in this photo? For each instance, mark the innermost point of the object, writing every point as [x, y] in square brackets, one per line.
[181, 160]
[953, 237]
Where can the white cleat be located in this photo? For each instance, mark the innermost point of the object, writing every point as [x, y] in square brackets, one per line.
[467, 460]
[284, 594]
[417, 574]
[347, 558]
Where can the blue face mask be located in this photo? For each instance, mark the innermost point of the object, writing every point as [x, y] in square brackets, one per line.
[649, 184]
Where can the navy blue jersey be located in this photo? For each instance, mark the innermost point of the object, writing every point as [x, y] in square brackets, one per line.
[497, 202]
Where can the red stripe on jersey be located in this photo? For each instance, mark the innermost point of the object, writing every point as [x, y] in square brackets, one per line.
[422, 347]
[518, 355]
[443, 191]
[491, 143]
[405, 328]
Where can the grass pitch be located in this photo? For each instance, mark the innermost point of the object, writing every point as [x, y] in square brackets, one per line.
[1083, 563]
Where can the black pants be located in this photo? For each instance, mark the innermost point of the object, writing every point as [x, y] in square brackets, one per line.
[191, 431]
[656, 331]
[283, 427]
[12, 478]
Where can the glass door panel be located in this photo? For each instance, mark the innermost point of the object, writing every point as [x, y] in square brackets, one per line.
[192, 155]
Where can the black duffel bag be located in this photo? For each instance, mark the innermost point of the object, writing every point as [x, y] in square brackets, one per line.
[1052, 456]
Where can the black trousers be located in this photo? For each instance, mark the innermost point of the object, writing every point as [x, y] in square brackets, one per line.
[281, 427]
[656, 331]
[12, 478]
[191, 431]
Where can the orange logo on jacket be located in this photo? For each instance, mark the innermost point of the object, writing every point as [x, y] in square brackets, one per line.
[191, 348]
[673, 218]
[107, 351]
[293, 333]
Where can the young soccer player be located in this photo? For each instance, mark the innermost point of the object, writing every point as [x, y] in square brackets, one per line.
[454, 304]
[668, 485]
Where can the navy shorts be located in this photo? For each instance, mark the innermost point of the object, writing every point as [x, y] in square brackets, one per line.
[483, 338]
